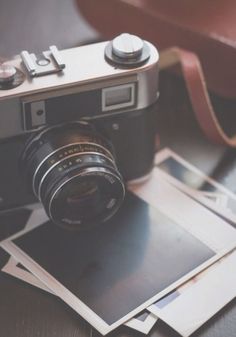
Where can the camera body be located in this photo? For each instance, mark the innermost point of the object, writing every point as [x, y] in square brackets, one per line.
[111, 85]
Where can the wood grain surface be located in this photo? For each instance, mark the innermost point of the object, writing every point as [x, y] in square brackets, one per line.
[29, 312]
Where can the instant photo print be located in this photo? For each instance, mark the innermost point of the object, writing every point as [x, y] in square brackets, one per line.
[144, 321]
[112, 273]
[19, 220]
[200, 290]
[196, 184]
[196, 302]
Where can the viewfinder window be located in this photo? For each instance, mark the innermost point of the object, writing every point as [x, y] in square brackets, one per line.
[118, 97]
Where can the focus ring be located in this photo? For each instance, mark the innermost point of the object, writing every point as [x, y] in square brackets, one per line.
[72, 171]
[39, 168]
[77, 162]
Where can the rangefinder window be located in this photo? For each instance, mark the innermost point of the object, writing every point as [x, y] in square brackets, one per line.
[118, 97]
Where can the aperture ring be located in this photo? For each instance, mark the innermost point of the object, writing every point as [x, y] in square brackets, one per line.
[69, 165]
[81, 163]
[57, 155]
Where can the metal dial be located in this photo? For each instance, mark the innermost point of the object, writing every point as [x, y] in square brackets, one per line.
[127, 46]
[7, 73]
[127, 50]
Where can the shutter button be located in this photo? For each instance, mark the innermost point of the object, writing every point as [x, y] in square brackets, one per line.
[127, 46]
[127, 50]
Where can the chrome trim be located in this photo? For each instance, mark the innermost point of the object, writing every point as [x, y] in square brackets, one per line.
[76, 88]
[57, 57]
[76, 79]
[127, 46]
[28, 62]
[74, 74]
[38, 195]
[111, 107]
[62, 147]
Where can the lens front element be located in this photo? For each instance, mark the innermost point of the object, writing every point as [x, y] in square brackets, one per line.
[74, 208]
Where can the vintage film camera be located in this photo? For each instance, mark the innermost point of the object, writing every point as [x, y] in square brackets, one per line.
[75, 125]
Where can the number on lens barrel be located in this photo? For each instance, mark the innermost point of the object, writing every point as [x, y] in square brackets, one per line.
[71, 169]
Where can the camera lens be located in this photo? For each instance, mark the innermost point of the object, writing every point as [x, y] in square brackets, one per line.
[72, 171]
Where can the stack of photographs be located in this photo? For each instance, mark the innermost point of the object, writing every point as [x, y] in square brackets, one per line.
[169, 250]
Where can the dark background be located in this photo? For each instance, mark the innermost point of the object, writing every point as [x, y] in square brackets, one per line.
[34, 25]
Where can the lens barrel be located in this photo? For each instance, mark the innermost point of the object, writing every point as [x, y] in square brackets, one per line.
[72, 171]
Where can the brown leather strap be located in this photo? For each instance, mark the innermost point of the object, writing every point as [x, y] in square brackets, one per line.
[196, 86]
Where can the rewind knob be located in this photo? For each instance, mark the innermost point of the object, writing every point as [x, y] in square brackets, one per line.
[7, 73]
[10, 77]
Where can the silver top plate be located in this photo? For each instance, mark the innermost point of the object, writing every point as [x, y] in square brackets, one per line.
[84, 65]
